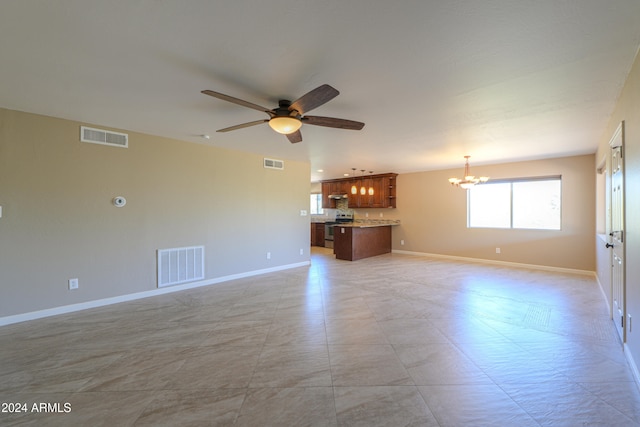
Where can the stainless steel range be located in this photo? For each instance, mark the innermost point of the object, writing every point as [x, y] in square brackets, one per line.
[328, 227]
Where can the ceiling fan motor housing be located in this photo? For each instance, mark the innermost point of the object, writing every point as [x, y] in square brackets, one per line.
[284, 109]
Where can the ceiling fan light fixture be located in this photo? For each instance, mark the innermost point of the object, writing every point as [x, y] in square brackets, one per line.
[285, 124]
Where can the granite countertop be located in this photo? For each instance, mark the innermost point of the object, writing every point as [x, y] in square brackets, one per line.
[364, 223]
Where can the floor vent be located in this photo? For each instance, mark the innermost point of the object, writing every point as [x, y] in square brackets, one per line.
[273, 164]
[180, 265]
[104, 137]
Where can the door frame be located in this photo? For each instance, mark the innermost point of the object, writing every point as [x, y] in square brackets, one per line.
[615, 238]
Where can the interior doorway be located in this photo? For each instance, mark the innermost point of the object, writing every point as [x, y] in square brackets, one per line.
[615, 232]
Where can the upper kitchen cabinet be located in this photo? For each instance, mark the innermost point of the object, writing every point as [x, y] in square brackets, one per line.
[379, 191]
[333, 187]
[390, 191]
[380, 197]
[326, 191]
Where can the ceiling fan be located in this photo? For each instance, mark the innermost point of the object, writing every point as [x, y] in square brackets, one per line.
[289, 116]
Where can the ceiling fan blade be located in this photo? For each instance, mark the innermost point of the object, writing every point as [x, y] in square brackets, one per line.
[314, 99]
[243, 125]
[237, 101]
[332, 122]
[294, 137]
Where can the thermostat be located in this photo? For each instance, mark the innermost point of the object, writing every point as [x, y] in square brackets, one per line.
[119, 201]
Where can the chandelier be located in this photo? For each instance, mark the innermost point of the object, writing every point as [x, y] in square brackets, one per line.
[469, 180]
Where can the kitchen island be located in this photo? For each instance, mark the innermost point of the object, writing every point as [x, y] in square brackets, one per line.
[362, 239]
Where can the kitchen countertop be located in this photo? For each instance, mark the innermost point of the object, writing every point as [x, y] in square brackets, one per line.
[365, 223]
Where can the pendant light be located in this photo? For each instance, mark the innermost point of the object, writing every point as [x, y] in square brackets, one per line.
[354, 189]
[363, 190]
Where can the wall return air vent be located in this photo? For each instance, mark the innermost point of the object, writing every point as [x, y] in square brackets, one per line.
[104, 137]
[273, 164]
[180, 265]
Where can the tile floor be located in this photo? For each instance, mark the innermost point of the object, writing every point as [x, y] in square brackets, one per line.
[394, 340]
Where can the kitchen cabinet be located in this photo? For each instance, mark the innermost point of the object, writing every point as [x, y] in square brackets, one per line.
[317, 234]
[361, 200]
[390, 196]
[380, 193]
[383, 185]
[326, 201]
[354, 199]
[337, 186]
[354, 243]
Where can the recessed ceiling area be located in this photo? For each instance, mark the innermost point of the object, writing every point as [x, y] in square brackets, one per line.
[433, 81]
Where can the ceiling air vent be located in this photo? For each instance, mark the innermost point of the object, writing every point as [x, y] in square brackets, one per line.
[273, 164]
[104, 137]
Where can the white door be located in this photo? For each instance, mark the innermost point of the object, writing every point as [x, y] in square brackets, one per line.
[616, 233]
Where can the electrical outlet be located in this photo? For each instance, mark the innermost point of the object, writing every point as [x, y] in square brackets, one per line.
[301, 251]
[497, 250]
[73, 284]
[268, 255]
[303, 212]
[366, 214]
[402, 242]
[381, 215]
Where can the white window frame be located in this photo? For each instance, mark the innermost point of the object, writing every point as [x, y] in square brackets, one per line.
[512, 181]
[318, 208]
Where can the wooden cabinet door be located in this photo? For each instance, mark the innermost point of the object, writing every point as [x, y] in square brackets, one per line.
[320, 234]
[345, 187]
[355, 200]
[317, 234]
[366, 199]
[326, 201]
[380, 193]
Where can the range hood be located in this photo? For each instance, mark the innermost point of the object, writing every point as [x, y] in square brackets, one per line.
[338, 196]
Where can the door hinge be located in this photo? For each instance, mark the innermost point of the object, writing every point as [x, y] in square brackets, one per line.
[622, 322]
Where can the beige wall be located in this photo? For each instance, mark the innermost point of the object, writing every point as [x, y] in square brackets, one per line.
[433, 216]
[628, 109]
[58, 221]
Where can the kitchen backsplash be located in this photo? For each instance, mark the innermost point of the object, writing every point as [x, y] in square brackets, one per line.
[342, 205]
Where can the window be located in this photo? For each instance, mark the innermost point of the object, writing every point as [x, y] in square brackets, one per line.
[316, 204]
[529, 203]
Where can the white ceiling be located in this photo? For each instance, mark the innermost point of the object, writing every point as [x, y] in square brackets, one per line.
[500, 80]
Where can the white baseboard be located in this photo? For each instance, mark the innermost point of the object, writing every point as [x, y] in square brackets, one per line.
[604, 294]
[8, 320]
[495, 262]
[632, 365]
